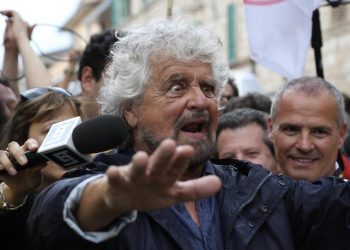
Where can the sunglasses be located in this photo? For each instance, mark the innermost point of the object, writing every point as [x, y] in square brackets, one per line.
[36, 92]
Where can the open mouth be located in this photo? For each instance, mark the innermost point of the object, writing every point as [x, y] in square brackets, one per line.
[193, 128]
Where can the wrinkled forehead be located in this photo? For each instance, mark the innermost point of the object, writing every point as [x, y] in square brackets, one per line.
[162, 55]
[163, 63]
[158, 62]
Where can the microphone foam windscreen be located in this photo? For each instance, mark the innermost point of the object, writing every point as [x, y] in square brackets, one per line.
[99, 134]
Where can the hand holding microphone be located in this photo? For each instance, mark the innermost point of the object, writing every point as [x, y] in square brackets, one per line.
[19, 185]
[66, 144]
[69, 142]
[13, 157]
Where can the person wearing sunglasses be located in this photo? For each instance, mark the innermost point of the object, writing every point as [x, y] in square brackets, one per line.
[36, 111]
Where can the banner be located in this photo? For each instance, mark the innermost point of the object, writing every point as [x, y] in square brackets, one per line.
[279, 33]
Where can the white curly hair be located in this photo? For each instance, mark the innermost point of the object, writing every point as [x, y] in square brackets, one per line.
[129, 70]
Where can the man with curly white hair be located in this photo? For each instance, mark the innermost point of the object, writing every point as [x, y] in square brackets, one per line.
[165, 79]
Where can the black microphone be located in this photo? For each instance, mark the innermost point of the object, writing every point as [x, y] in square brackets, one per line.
[68, 142]
[100, 133]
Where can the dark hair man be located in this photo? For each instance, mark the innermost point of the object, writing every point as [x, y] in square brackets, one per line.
[254, 100]
[93, 60]
[242, 134]
[230, 90]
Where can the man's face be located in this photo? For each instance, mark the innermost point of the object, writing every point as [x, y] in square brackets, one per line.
[306, 136]
[8, 101]
[90, 91]
[226, 94]
[246, 143]
[179, 102]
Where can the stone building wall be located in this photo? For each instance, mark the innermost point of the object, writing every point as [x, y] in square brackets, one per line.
[335, 24]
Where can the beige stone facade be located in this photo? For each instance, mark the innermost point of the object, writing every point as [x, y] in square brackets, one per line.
[93, 16]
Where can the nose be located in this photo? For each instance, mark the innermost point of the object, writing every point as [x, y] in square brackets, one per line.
[304, 142]
[197, 99]
[239, 156]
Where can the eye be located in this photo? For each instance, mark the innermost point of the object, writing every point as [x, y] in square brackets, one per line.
[227, 155]
[320, 132]
[208, 90]
[176, 89]
[45, 129]
[290, 130]
[252, 154]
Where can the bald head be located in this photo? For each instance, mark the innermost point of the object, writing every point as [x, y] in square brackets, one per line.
[311, 87]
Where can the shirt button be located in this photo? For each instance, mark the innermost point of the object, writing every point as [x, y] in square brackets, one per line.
[281, 183]
[263, 209]
[250, 224]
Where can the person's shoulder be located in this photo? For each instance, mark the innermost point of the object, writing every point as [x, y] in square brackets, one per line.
[225, 169]
[116, 157]
[233, 165]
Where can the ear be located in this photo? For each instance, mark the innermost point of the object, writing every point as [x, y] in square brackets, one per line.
[342, 133]
[270, 128]
[131, 117]
[88, 81]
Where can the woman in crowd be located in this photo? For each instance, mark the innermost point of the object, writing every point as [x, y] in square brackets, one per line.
[37, 110]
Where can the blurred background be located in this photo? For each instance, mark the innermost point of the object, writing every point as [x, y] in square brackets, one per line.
[63, 25]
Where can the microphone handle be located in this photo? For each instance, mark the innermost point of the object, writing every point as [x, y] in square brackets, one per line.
[34, 159]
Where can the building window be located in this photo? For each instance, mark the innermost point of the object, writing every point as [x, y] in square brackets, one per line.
[231, 33]
[120, 11]
[147, 2]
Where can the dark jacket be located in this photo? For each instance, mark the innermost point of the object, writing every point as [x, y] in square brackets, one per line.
[258, 210]
[12, 226]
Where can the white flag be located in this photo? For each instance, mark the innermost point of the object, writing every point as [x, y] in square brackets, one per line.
[279, 33]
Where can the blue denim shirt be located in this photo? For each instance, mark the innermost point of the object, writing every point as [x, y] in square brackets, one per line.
[208, 234]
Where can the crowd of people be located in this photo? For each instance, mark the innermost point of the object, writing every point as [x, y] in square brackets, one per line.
[201, 166]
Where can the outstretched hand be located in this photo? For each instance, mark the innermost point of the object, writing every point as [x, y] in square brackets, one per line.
[147, 183]
[153, 182]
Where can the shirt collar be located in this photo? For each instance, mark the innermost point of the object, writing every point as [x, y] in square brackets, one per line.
[208, 169]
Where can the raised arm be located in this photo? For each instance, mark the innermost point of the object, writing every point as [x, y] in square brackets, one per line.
[147, 183]
[18, 34]
[10, 64]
